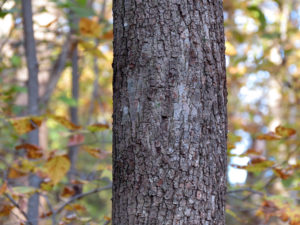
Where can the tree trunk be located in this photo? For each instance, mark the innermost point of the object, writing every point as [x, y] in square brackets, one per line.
[33, 97]
[73, 150]
[170, 120]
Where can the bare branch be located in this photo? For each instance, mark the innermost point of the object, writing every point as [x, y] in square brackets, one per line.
[17, 206]
[76, 197]
[245, 189]
[56, 72]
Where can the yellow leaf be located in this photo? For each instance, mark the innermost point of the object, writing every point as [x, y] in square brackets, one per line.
[97, 127]
[284, 131]
[26, 124]
[91, 48]
[95, 152]
[57, 167]
[89, 27]
[107, 218]
[65, 122]
[230, 49]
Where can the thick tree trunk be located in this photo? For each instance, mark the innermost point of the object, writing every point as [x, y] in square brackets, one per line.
[170, 121]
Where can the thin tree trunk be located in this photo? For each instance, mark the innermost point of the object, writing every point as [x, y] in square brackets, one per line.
[33, 96]
[73, 151]
[95, 91]
[170, 120]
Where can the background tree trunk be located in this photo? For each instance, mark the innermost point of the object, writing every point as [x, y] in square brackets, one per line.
[73, 150]
[170, 120]
[33, 97]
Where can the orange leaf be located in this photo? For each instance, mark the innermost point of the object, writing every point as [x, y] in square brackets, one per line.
[268, 137]
[15, 173]
[252, 151]
[284, 131]
[258, 159]
[33, 151]
[3, 188]
[26, 124]
[108, 35]
[89, 27]
[76, 207]
[47, 214]
[107, 218]
[283, 173]
[5, 210]
[57, 167]
[68, 192]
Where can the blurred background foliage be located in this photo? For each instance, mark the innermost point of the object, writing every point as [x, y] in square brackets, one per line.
[263, 77]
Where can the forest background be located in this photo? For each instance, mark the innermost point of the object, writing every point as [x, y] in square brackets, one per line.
[74, 153]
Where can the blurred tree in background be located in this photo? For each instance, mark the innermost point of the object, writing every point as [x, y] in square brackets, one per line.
[74, 37]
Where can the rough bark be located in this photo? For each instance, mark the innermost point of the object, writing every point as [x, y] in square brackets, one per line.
[33, 96]
[170, 120]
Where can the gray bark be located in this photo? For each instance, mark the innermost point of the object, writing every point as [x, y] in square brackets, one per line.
[73, 151]
[170, 119]
[33, 96]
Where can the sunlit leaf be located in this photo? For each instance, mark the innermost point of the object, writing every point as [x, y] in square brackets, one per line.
[89, 27]
[259, 15]
[271, 136]
[3, 188]
[23, 189]
[5, 209]
[69, 101]
[284, 131]
[33, 151]
[91, 48]
[283, 173]
[26, 124]
[65, 122]
[95, 152]
[15, 173]
[57, 167]
[107, 218]
[75, 207]
[230, 49]
[256, 167]
[98, 127]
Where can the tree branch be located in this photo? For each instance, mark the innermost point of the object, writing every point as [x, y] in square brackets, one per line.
[76, 197]
[245, 189]
[56, 71]
[17, 206]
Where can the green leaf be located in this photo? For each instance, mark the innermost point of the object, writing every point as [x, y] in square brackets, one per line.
[81, 12]
[67, 100]
[24, 189]
[16, 61]
[259, 15]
